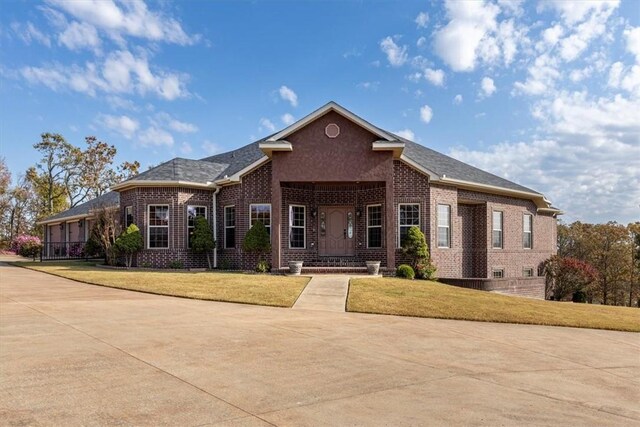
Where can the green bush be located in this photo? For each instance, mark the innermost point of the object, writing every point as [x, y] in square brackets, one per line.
[93, 248]
[263, 267]
[202, 238]
[176, 265]
[129, 242]
[405, 271]
[415, 247]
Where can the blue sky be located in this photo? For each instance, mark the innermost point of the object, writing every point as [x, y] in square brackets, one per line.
[545, 93]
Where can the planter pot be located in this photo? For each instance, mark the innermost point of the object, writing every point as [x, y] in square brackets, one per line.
[373, 267]
[295, 267]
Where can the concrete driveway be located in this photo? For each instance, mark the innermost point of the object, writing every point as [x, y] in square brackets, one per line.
[74, 354]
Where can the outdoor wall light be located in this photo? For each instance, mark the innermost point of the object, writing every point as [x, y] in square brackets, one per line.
[358, 212]
[314, 212]
[61, 227]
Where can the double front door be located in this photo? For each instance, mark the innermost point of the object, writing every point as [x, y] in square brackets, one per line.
[336, 231]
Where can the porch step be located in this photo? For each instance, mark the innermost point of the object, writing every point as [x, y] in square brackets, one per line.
[332, 270]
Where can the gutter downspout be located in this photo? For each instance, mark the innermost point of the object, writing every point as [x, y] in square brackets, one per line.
[215, 227]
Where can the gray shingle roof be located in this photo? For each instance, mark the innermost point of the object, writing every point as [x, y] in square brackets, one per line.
[179, 169]
[112, 198]
[236, 160]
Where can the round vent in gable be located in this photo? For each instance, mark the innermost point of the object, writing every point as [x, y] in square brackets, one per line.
[332, 130]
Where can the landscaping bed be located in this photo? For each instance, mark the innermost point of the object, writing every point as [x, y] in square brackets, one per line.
[259, 289]
[430, 299]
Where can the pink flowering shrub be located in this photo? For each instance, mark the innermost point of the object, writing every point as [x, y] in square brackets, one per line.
[27, 246]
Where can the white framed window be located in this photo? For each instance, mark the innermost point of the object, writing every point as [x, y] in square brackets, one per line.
[444, 226]
[297, 227]
[192, 213]
[128, 216]
[260, 212]
[498, 273]
[527, 231]
[408, 216]
[496, 234]
[527, 272]
[229, 227]
[158, 226]
[374, 226]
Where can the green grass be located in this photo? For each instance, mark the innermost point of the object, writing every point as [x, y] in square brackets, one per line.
[259, 289]
[429, 299]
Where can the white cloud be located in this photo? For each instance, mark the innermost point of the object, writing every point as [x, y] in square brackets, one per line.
[154, 136]
[79, 36]
[633, 41]
[426, 113]
[287, 119]
[210, 148]
[121, 72]
[124, 125]
[542, 75]
[185, 148]
[422, 20]
[170, 122]
[457, 42]
[457, 100]
[397, 55]
[29, 33]
[288, 95]
[126, 19]
[267, 124]
[406, 134]
[595, 26]
[487, 86]
[368, 85]
[575, 11]
[421, 42]
[435, 77]
[550, 37]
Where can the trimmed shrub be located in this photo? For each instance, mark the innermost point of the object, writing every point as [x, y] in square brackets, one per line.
[202, 238]
[405, 271]
[129, 242]
[415, 247]
[258, 241]
[263, 267]
[176, 265]
[93, 248]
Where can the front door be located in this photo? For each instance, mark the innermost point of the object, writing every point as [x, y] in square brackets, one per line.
[337, 231]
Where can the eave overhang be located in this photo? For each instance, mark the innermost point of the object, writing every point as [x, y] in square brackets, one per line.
[396, 147]
[149, 183]
[269, 147]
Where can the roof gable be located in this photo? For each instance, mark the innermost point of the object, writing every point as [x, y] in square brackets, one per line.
[331, 106]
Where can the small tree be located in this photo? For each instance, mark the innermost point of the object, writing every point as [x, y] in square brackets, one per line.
[105, 230]
[202, 239]
[566, 277]
[129, 242]
[415, 247]
[257, 241]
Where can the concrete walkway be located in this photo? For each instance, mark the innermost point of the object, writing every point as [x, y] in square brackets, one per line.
[326, 293]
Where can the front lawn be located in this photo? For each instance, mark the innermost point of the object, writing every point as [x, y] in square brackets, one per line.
[260, 289]
[429, 299]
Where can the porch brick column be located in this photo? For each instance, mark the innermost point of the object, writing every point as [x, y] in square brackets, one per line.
[276, 224]
[390, 227]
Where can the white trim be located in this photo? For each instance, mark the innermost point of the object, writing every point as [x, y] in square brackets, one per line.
[448, 226]
[374, 226]
[251, 205]
[396, 147]
[125, 215]
[147, 183]
[493, 212]
[235, 178]
[148, 221]
[413, 225]
[187, 218]
[331, 106]
[269, 147]
[304, 227]
[530, 232]
[64, 219]
[224, 227]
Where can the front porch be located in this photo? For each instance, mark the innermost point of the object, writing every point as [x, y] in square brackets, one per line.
[332, 227]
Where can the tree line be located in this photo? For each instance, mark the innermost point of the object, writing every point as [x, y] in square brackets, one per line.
[64, 176]
[596, 263]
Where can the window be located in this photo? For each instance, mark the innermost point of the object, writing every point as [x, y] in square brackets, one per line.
[192, 213]
[260, 212]
[498, 273]
[374, 226]
[128, 216]
[527, 231]
[497, 230]
[297, 227]
[444, 226]
[158, 227]
[409, 216]
[527, 272]
[229, 227]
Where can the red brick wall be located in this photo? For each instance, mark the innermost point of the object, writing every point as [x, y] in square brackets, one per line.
[178, 199]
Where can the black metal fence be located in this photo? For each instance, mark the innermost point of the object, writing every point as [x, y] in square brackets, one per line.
[67, 250]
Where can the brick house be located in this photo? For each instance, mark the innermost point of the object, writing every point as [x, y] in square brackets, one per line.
[335, 191]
